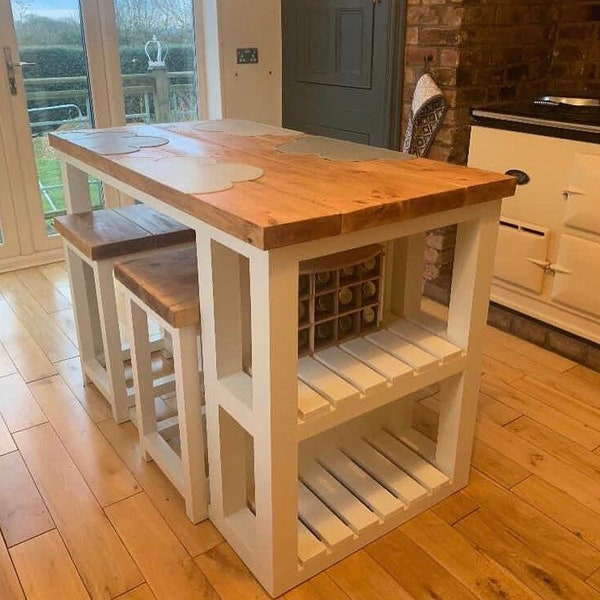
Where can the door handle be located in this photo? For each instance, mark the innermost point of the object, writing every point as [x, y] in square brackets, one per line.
[10, 69]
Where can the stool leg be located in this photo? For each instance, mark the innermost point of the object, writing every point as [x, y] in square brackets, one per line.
[191, 430]
[111, 338]
[85, 311]
[141, 363]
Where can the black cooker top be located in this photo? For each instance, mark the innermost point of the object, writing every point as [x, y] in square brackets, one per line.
[554, 119]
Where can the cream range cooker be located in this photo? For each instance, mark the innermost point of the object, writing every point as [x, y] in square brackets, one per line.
[548, 254]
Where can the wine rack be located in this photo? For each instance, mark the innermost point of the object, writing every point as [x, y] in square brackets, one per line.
[339, 297]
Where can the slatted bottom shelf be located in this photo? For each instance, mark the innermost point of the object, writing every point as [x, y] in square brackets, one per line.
[361, 487]
[365, 366]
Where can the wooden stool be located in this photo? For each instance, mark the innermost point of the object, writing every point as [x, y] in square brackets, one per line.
[164, 287]
[94, 241]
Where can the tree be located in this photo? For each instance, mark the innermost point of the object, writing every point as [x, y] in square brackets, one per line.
[20, 10]
[35, 30]
[139, 20]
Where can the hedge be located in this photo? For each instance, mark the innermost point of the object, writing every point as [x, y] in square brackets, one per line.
[69, 61]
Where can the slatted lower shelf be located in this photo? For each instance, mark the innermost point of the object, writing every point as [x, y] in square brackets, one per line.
[387, 360]
[360, 487]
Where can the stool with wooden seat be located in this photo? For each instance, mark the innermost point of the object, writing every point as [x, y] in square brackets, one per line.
[164, 288]
[93, 242]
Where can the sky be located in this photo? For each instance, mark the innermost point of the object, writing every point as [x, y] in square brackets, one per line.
[54, 9]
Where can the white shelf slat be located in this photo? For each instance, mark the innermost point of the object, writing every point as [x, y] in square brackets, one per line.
[324, 381]
[369, 491]
[385, 364]
[309, 547]
[338, 498]
[350, 369]
[310, 403]
[412, 463]
[403, 350]
[419, 443]
[320, 519]
[425, 340]
[385, 471]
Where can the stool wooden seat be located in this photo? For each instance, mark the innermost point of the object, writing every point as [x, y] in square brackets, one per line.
[105, 233]
[167, 282]
[164, 287]
[94, 241]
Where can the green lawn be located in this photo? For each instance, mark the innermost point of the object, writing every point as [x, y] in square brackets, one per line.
[48, 166]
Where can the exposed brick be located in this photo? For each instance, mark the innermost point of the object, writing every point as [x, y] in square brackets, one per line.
[499, 51]
[441, 239]
[566, 345]
[499, 318]
[529, 330]
[449, 58]
[518, 72]
[439, 257]
[439, 36]
[417, 55]
[592, 357]
[438, 290]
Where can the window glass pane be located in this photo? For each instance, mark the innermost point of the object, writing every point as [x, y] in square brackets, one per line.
[158, 62]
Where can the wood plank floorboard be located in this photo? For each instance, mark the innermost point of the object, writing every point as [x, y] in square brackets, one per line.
[18, 407]
[23, 514]
[167, 567]
[7, 366]
[21, 347]
[104, 472]
[478, 573]
[83, 515]
[101, 558]
[29, 311]
[10, 587]
[543, 409]
[46, 570]
[7, 443]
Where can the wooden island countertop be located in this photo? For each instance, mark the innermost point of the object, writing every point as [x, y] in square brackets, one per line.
[300, 197]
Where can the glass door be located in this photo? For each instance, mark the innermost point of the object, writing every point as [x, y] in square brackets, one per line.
[47, 79]
[72, 64]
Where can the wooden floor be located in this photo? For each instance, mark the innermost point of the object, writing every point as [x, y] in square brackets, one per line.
[83, 516]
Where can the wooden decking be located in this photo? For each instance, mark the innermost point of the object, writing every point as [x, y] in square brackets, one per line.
[83, 516]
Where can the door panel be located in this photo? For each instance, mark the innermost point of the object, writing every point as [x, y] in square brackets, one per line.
[582, 194]
[521, 249]
[576, 282]
[336, 62]
[9, 239]
[335, 44]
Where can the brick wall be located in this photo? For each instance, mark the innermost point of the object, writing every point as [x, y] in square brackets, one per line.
[499, 51]
[483, 52]
[574, 68]
[489, 52]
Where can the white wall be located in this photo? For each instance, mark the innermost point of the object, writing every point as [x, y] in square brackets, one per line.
[251, 91]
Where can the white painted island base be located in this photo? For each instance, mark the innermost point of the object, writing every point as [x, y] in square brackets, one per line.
[311, 459]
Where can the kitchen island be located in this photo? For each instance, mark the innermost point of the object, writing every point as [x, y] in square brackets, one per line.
[311, 452]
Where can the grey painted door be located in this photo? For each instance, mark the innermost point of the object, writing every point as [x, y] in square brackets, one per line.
[336, 57]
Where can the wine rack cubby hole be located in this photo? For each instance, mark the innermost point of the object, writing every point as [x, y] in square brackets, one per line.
[340, 296]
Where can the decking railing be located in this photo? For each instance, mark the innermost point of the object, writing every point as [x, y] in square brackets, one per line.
[152, 97]
[156, 96]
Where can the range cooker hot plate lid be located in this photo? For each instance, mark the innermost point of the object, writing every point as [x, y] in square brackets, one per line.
[570, 101]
